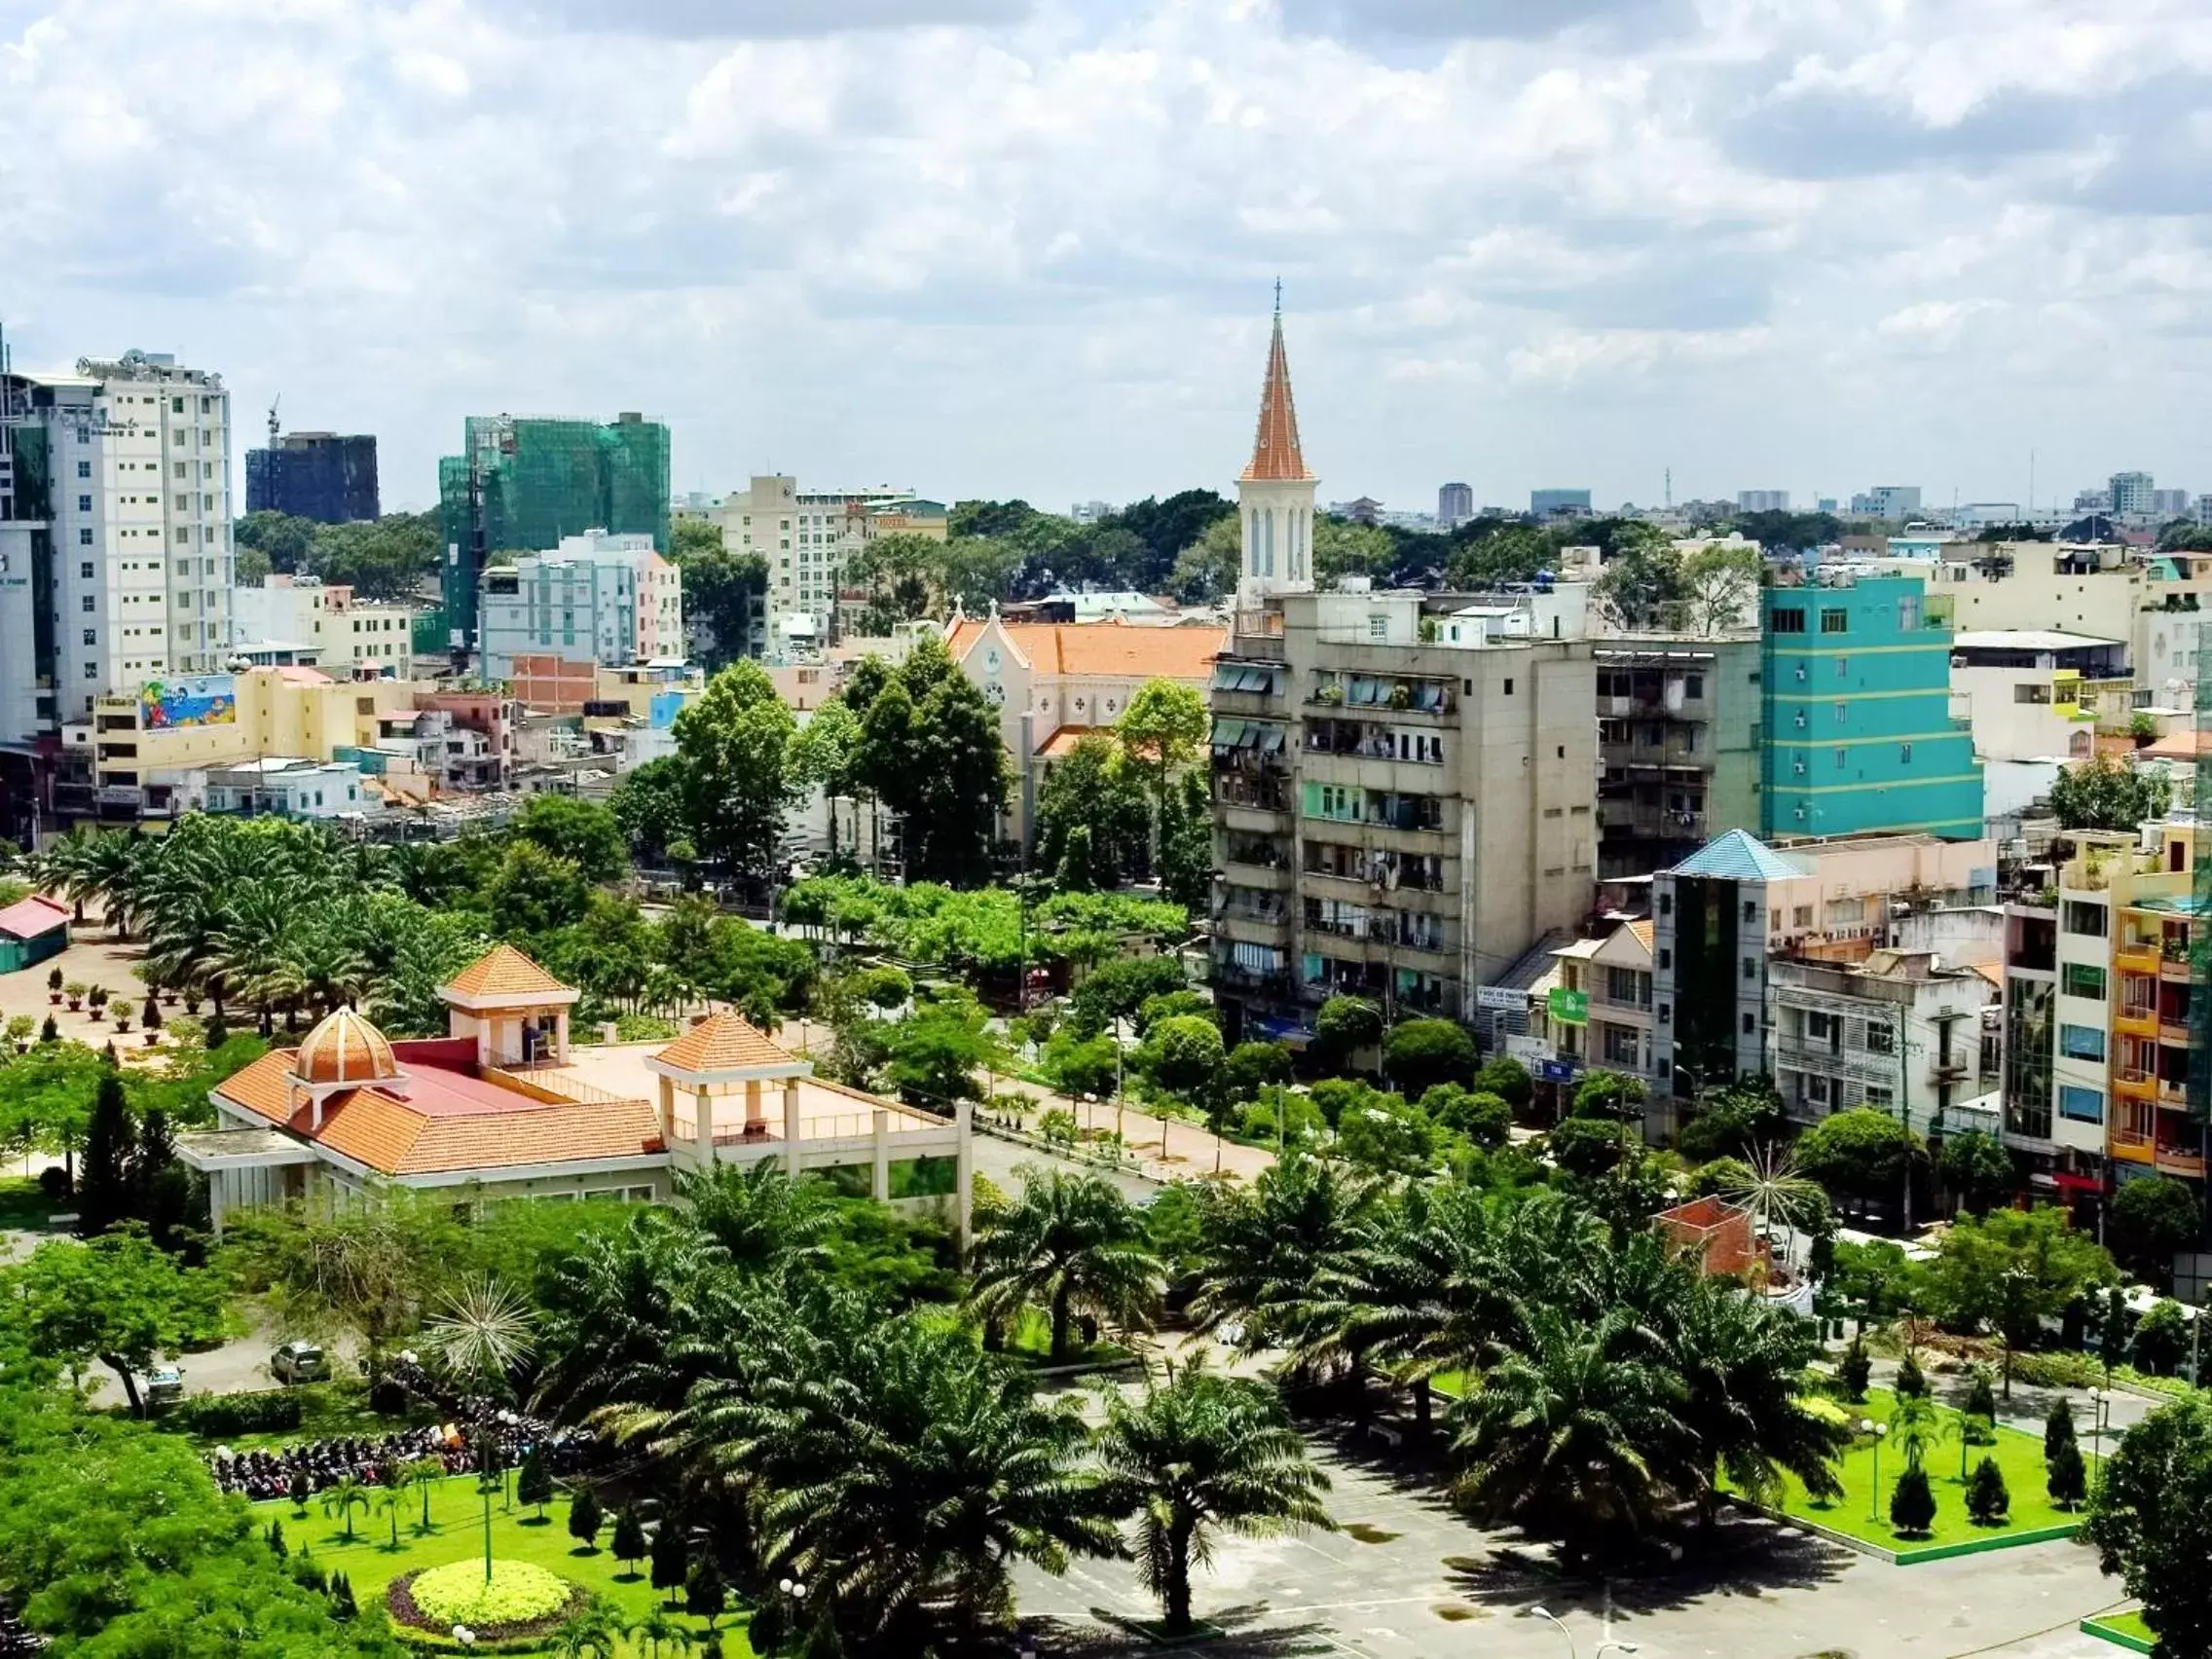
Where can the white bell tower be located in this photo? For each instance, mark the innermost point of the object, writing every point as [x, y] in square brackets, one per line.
[1275, 493]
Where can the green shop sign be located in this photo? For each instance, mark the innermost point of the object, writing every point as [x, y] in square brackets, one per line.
[1569, 1008]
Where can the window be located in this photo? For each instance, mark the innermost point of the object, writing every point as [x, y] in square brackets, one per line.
[1821, 1027]
[84, 503]
[91, 671]
[1749, 1027]
[92, 637]
[1509, 687]
[1377, 627]
[2077, 916]
[1839, 759]
[2082, 1043]
[85, 539]
[83, 469]
[1801, 916]
[85, 571]
[1834, 621]
[2082, 1105]
[1843, 667]
[1880, 1095]
[1904, 753]
[1693, 686]
[2082, 979]
[1880, 1039]
[1842, 713]
[87, 602]
[1751, 912]
[1787, 620]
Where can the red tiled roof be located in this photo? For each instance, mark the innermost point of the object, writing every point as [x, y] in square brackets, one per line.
[504, 972]
[721, 1043]
[1276, 455]
[28, 919]
[1110, 648]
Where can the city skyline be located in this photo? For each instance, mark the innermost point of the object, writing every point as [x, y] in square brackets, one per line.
[1765, 253]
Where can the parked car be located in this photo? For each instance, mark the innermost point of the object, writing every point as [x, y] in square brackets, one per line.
[164, 1388]
[299, 1362]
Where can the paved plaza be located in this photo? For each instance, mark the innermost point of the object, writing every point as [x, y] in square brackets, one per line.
[1405, 1578]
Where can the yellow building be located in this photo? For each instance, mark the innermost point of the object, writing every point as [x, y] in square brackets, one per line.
[183, 724]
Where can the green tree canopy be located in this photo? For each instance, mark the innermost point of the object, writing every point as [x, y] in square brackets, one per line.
[2102, 793]
[735, 743]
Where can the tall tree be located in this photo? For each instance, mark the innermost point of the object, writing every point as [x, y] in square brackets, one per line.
[930, 751]
[103, 1187]
[2150, 1521]
[1161, 733]
[2012, 1269]
[735, 744]
[2102, 793]
[1072, 1244]
[1198, 1455]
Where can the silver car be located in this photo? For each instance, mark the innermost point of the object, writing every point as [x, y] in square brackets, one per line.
[164, 1388]
[299, 1362]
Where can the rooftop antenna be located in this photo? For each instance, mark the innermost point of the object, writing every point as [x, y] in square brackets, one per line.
[272, 408]
[1670, 487]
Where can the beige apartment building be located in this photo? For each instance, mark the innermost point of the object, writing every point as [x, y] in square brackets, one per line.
[805, 539]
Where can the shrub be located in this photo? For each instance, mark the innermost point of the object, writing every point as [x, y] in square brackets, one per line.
[2160, 1340]
[1720, 1175]
[54, 1183]
[1981, 1398]
[222, 1416]
[586, 1519]
[1912, 1504]
[2065, 1476]
[770, 1627]
[1508, 1080]
[1345, 1025]
[342, 1607]
[1482, 1116]
[1912, 1382]
[518, 1593]
[671, 1556]
[629, 1540]
[534, 1484]
[1588, 1147]
[705, 1595]
[2058, 1427]
[50, 1032]
[1987, 1500]
[388, 1397]
[1853, 1370]
[218, 1033]
[275, 1538]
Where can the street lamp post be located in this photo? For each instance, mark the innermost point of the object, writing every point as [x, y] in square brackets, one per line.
[2100, 1415]
[1608, 1645]
[1879, 1430]
[795, 1594]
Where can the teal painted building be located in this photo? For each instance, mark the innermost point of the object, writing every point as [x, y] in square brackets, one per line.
[1857, 735]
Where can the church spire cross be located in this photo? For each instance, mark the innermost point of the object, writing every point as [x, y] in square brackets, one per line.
[1276, 455]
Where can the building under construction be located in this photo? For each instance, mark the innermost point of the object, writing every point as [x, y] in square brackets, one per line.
[523, 482]
[323, 476]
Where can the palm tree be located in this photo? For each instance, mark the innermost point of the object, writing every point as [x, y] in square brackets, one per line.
[1742, 1365]
[422, 1474]
[621, 1315]
[1572, 1434]
[1199, 1453]
[390, 1501]
[325, 956]
[657, 1630]
[590, 1635]
[758, 1215]
[1071, 1244]
[343, 1498]
[1266, 1245]
[251, 945]
[114, 870]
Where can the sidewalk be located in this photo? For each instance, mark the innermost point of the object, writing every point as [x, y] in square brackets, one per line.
[2030, 1404]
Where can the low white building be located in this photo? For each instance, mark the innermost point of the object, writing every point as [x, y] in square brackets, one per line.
[2038, 693]
[279, 786]
[1899, 1032]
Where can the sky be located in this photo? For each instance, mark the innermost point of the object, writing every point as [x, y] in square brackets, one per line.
[1028, 248]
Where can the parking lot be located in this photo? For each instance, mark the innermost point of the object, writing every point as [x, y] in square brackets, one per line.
[1405, 1579]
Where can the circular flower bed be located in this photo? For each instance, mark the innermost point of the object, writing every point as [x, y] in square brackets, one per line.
[520, 1600]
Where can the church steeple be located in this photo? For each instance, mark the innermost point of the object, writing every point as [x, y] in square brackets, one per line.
[1276, 456]
[1274, 493]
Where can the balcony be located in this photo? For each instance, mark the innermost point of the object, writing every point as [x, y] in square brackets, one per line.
[1395, 694]
[2174, 968]
[2133, 1082]
[2131, 1149]
[2137, 955]
[2188, 1164]
[2173, 1032]
[2136, 1019]
[2173, 1095]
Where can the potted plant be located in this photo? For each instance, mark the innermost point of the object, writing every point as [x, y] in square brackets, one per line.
[96, 1002]
[54, 987]
[123, 1020]
[1401, 696]
[74, 990]
[20, 1030]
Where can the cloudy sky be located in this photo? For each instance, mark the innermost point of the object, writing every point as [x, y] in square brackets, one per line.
[1027, 247]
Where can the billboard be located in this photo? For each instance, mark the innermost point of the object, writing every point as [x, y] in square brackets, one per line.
[188, 700]
[1569, 1008]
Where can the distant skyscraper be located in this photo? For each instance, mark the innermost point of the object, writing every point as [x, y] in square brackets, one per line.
[1455, 505]
[1825, 504]
[2169, 504]
[2132, 493]
[521, 484]
[314, 475]
[1762, 500]
[1545, 503]
[1888, 501]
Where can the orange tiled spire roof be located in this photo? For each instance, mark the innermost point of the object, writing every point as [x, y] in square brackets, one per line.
[1276, 456]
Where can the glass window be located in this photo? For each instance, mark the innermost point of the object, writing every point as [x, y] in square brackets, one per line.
[2082, 1105]
[2081, 1042]
[2083, 979]
[1880, 1039]
[1834, 621]
[2081, 917]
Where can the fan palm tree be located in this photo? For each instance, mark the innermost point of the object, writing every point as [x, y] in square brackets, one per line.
[1071, 1244]
[1572, 1435]
[1196, 1455]
[1266, 1245]
[343, 1498]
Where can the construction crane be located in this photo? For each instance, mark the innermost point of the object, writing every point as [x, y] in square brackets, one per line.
[272, 408]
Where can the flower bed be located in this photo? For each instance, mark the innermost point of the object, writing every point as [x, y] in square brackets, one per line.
[521, 1602]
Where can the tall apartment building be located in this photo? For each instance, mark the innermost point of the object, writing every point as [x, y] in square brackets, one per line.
[1857, 729]
[1396, 817]
[2103, 981]
[322, 477]
[1677, 725]
[114, 534]
[2170, 503]
[806, 540]
[1762, 500]
[597, 599]
[2133, 493]
[1455, 505]
[522, 483]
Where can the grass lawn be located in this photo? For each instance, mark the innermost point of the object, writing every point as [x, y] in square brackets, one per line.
[456, 1519]
[23, 1202]
[2020, 1455]
[2122, 1630]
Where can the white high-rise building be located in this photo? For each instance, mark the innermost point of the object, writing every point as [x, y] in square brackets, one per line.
[806, 540]
[2132, 493]
[1762, 500]
[114, 534]
[1275, 493]
[600, 599]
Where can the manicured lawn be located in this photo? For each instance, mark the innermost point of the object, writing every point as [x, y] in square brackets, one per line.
[456, 1518]
[2018, 1455]
[2121, 1630]
[23, 1202]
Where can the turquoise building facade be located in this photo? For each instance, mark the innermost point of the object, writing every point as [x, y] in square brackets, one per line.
[1857, 735]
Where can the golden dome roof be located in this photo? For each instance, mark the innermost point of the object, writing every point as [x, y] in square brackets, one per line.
[343, 1049]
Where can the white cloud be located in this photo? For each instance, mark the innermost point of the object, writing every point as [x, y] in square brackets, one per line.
[996, 246]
